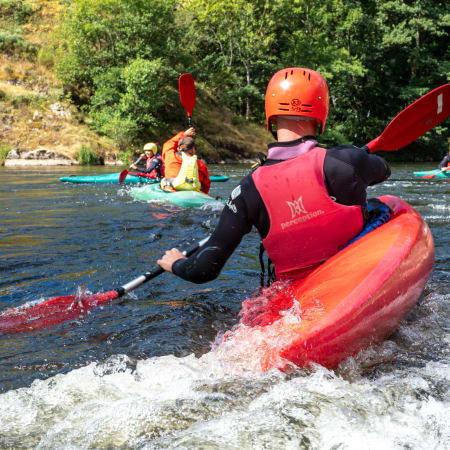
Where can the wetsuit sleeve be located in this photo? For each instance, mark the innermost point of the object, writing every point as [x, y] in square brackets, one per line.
[203, 174]
[348, 170]
[444, 162]
[235, 221]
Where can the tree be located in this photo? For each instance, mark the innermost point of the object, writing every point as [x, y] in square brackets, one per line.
[230, 44]
[97, 36]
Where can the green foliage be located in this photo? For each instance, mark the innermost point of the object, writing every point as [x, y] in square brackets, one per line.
[15, 44]
[46, 57]
[18, 11]
[126, 156]
[147, 92]
[120, 59]
[4, 150]
[232, 41]
[97, 36]
[121, 130]
[26, 100]
[132, 102]
[86, 156]
[237, 120]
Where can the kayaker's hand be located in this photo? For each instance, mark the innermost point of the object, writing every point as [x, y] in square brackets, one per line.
[169, 258]
[133, 166]
[190, 132]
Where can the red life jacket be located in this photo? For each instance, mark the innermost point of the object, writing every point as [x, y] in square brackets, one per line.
[306, 226]
[154, 173]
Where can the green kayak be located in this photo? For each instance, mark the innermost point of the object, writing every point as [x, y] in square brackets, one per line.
[186, 199]
[130, 179]
[437, 174]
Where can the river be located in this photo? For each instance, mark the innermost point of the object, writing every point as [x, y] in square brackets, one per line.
[140, 372]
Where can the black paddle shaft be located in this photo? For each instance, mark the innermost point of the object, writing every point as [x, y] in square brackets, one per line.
[122, 290]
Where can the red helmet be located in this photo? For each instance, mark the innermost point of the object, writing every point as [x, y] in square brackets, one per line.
[297, 92]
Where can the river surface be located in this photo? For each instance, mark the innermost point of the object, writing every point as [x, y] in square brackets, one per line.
[141, 372]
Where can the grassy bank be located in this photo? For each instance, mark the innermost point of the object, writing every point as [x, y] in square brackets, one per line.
[35, 113]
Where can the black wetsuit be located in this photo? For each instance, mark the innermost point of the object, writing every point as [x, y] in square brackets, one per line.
[156, 164]
[445, 161]
[348, 171]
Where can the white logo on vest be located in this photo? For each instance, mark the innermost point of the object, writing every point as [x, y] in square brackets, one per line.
[297, 207]
[299, 213]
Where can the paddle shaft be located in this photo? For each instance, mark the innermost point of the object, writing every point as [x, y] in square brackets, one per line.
[444, 169]
[147, 276]
[124, 173]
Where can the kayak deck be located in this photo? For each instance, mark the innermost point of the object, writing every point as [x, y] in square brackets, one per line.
[358, 297]
[131, 178]
[186, 199]
[109, 178]
[437, 173]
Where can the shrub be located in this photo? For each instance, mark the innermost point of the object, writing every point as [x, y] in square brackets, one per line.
[26, 100]
[237, 120]
[100, 34]
[46, 58]
[86, 156]
[121, 130]
[19, 11]
[4, 150]
[130, 103]
[147, 92]
[126, 156]
[15, 44]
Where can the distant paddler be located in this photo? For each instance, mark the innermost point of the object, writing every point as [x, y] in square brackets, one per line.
[154, 167]
[183, 170]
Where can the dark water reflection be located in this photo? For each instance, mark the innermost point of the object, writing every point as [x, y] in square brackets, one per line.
[56, 237]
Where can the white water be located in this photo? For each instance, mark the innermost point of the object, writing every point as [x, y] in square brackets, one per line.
[388, 397]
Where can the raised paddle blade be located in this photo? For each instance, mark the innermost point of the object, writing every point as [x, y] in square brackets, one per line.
[122, 176]
[188, 95]
[414, 121]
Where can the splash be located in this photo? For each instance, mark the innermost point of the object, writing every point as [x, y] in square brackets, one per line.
[258, 340]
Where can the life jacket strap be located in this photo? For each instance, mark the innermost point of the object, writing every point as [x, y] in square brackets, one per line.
[271, 277]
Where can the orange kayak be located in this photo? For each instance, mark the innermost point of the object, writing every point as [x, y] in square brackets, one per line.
[358, 297]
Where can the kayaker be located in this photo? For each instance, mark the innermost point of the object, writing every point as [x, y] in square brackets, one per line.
[306, 202]
[445, 161]
[154, 166]
[183, 170]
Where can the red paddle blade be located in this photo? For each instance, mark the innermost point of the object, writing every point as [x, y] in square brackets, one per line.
[186, 87]
[123, 175]
[415, 120]
[51, 312]
[432, 175]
